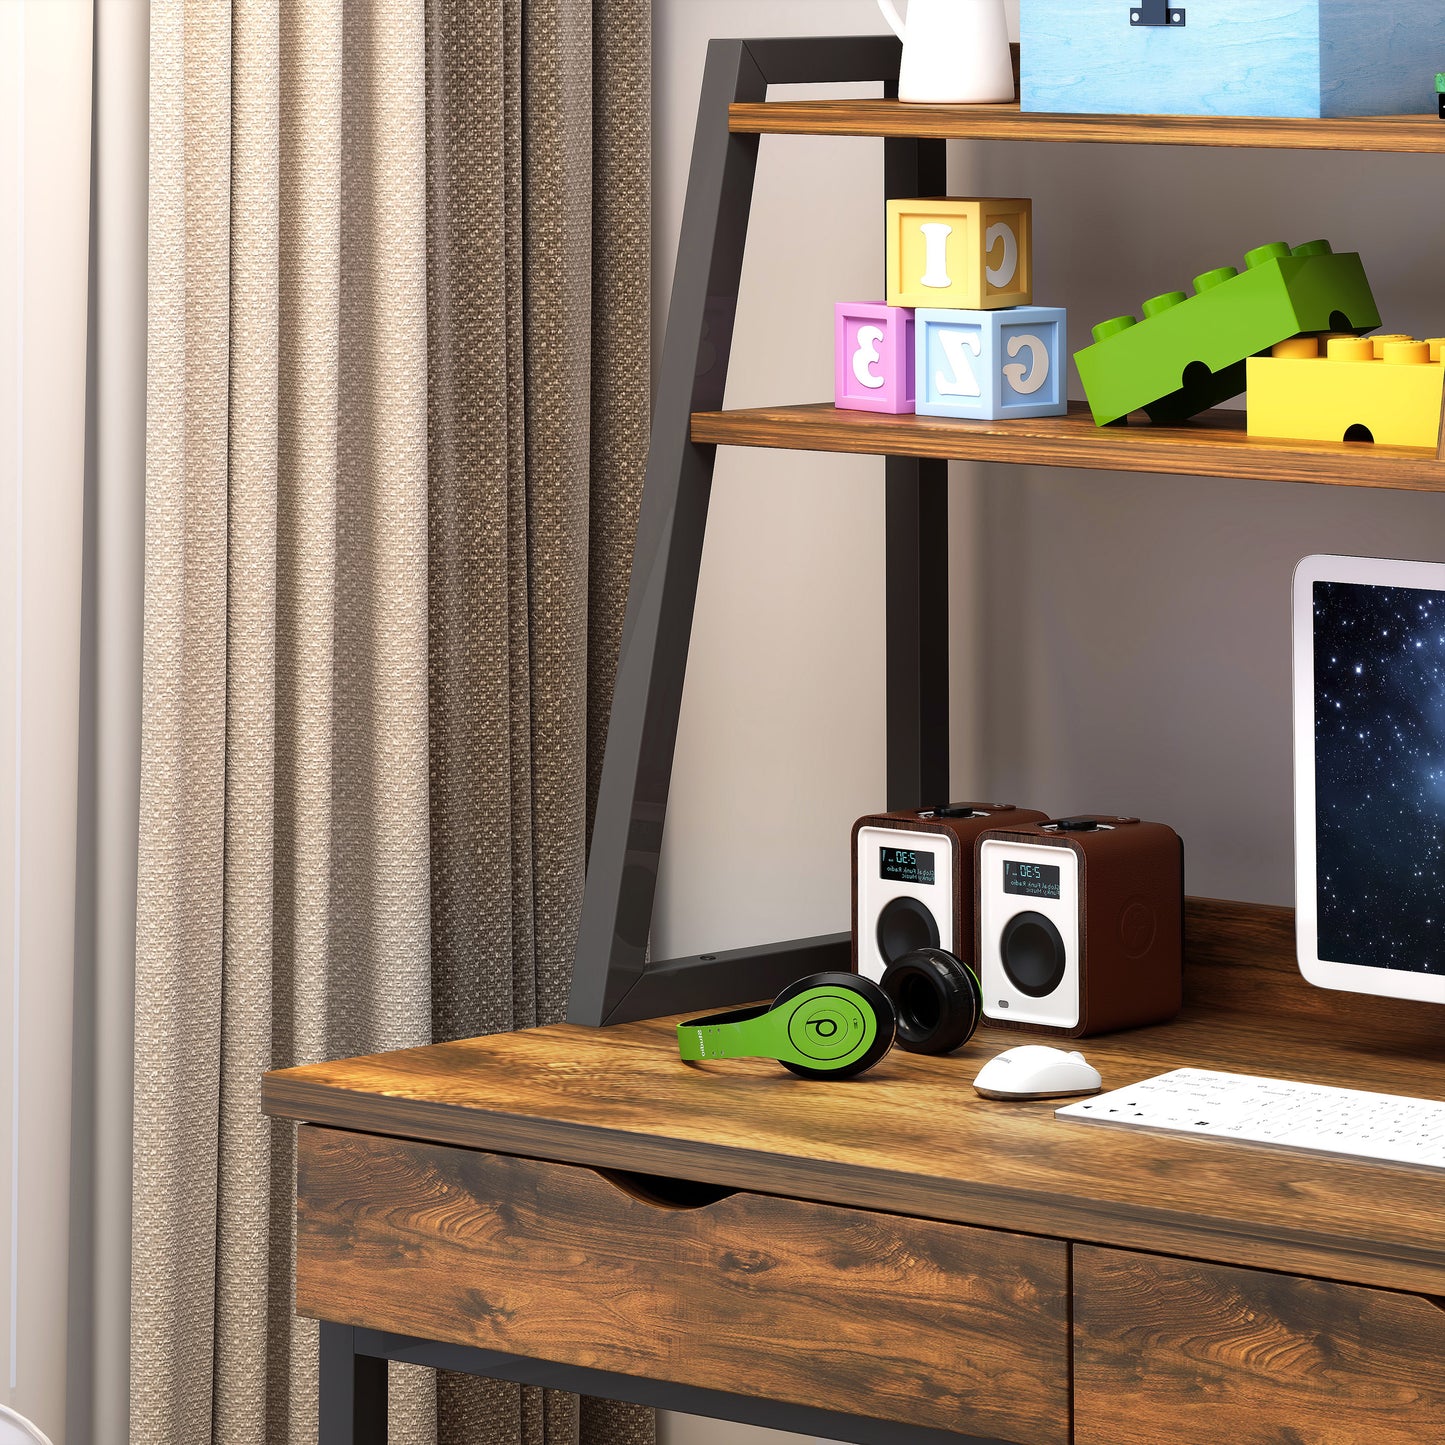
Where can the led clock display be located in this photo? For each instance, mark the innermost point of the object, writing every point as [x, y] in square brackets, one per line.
[905, 865]
[1031, 880]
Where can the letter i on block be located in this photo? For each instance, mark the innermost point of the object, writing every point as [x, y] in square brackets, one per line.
[873, 357]
[974, 254]
[991, 365]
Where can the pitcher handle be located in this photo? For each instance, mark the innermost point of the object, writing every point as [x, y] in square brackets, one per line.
[891, 15]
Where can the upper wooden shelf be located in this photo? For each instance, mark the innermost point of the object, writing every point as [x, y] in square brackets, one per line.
[1212, 445]
[1420, 134]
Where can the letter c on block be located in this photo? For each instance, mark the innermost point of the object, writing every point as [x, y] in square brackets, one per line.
[1027, 379]
[1000, 233]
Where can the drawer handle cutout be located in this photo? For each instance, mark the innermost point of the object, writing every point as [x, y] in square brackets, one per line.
[662, 1192]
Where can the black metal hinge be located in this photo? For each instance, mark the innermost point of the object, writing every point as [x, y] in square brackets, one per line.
[1155, 12]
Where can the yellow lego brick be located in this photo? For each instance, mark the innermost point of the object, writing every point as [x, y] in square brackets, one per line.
[1378, 340]
[960, 253]
[1382, 389]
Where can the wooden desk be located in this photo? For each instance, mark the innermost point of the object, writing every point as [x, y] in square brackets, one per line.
[890, 1259]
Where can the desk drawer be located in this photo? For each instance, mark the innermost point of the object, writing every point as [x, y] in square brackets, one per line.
[1193, 1354]
[872, 1314]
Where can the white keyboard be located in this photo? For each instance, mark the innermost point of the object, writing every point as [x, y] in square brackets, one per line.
[1214, 1105]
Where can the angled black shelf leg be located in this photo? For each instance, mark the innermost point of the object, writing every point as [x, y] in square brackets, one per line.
[613, 979]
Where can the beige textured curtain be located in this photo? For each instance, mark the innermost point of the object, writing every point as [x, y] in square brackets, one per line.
[283, 908]
[397, 393]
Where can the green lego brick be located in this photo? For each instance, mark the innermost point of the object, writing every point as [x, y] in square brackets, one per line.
[1189, 352]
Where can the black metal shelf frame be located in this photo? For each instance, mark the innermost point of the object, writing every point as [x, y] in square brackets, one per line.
[614, 980]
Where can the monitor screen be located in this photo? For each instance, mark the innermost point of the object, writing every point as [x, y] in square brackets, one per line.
[1379, 720]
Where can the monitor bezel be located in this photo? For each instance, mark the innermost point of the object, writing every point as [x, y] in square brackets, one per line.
[1330, 973]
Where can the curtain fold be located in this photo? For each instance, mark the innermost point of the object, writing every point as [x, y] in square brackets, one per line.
[539, 354]
[283, 910]
[396, 423]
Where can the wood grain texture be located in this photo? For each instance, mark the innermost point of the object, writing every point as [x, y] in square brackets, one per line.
[1194, 1354]
[1212, 445]
[913, 1138]
[900, 1319]
[1311, 57]
[1417, 134]
[1241, 961]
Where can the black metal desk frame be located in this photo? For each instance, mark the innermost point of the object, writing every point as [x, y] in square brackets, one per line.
[353, 1392]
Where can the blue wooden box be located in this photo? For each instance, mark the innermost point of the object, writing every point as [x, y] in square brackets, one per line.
[1233, 57]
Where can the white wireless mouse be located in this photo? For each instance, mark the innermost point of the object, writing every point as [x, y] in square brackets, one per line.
[1037, 1071]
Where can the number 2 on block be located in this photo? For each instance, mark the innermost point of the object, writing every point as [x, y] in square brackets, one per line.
[959, 379]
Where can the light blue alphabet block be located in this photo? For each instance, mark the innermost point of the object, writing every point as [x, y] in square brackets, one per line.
[991, 365]
[1233, 57]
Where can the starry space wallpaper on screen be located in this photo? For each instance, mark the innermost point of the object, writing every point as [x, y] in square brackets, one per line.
[1379, 656]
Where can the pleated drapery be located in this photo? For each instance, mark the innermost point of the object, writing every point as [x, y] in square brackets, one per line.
[397, 400]
[538, 165]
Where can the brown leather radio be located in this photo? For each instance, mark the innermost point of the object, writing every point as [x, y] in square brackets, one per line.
[1080, 924]
[913, 880]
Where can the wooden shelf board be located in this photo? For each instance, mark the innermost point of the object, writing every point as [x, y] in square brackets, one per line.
[1213, 445]
[1413, 134]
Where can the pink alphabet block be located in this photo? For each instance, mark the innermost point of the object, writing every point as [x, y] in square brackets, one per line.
[873, 357]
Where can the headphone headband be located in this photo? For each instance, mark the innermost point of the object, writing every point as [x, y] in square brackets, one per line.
[716, 1036]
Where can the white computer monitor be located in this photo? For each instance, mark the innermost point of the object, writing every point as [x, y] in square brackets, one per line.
[1369, 762]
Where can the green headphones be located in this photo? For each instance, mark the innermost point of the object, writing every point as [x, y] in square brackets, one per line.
[828, 1026]
[838, 1025]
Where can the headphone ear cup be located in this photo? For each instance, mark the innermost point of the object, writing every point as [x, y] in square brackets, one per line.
[938, 1000]
[871, 997]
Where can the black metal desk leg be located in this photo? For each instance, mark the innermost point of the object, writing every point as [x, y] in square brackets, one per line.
[353, 1391]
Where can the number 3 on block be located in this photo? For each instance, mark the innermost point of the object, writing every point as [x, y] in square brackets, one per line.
[867, 356]
[873, 357]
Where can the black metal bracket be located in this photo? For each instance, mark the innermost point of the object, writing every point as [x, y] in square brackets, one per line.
[353, 1392]
[1156, 12]
[613, 978]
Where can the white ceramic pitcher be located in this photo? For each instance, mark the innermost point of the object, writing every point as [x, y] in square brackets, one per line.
[954, 51]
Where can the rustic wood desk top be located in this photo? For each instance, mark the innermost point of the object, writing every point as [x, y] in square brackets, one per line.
[913, 1138]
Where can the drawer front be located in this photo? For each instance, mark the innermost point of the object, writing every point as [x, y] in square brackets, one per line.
[871, 1314]
[1196, 1354]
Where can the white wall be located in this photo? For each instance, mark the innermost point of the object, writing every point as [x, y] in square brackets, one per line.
[1120, 642]
[1150, 640]
[45, 72]
[72, 415]
[782, 732]
[1145, 668]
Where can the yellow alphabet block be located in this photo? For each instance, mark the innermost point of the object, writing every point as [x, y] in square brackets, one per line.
[1389, 393]
[960, 253]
